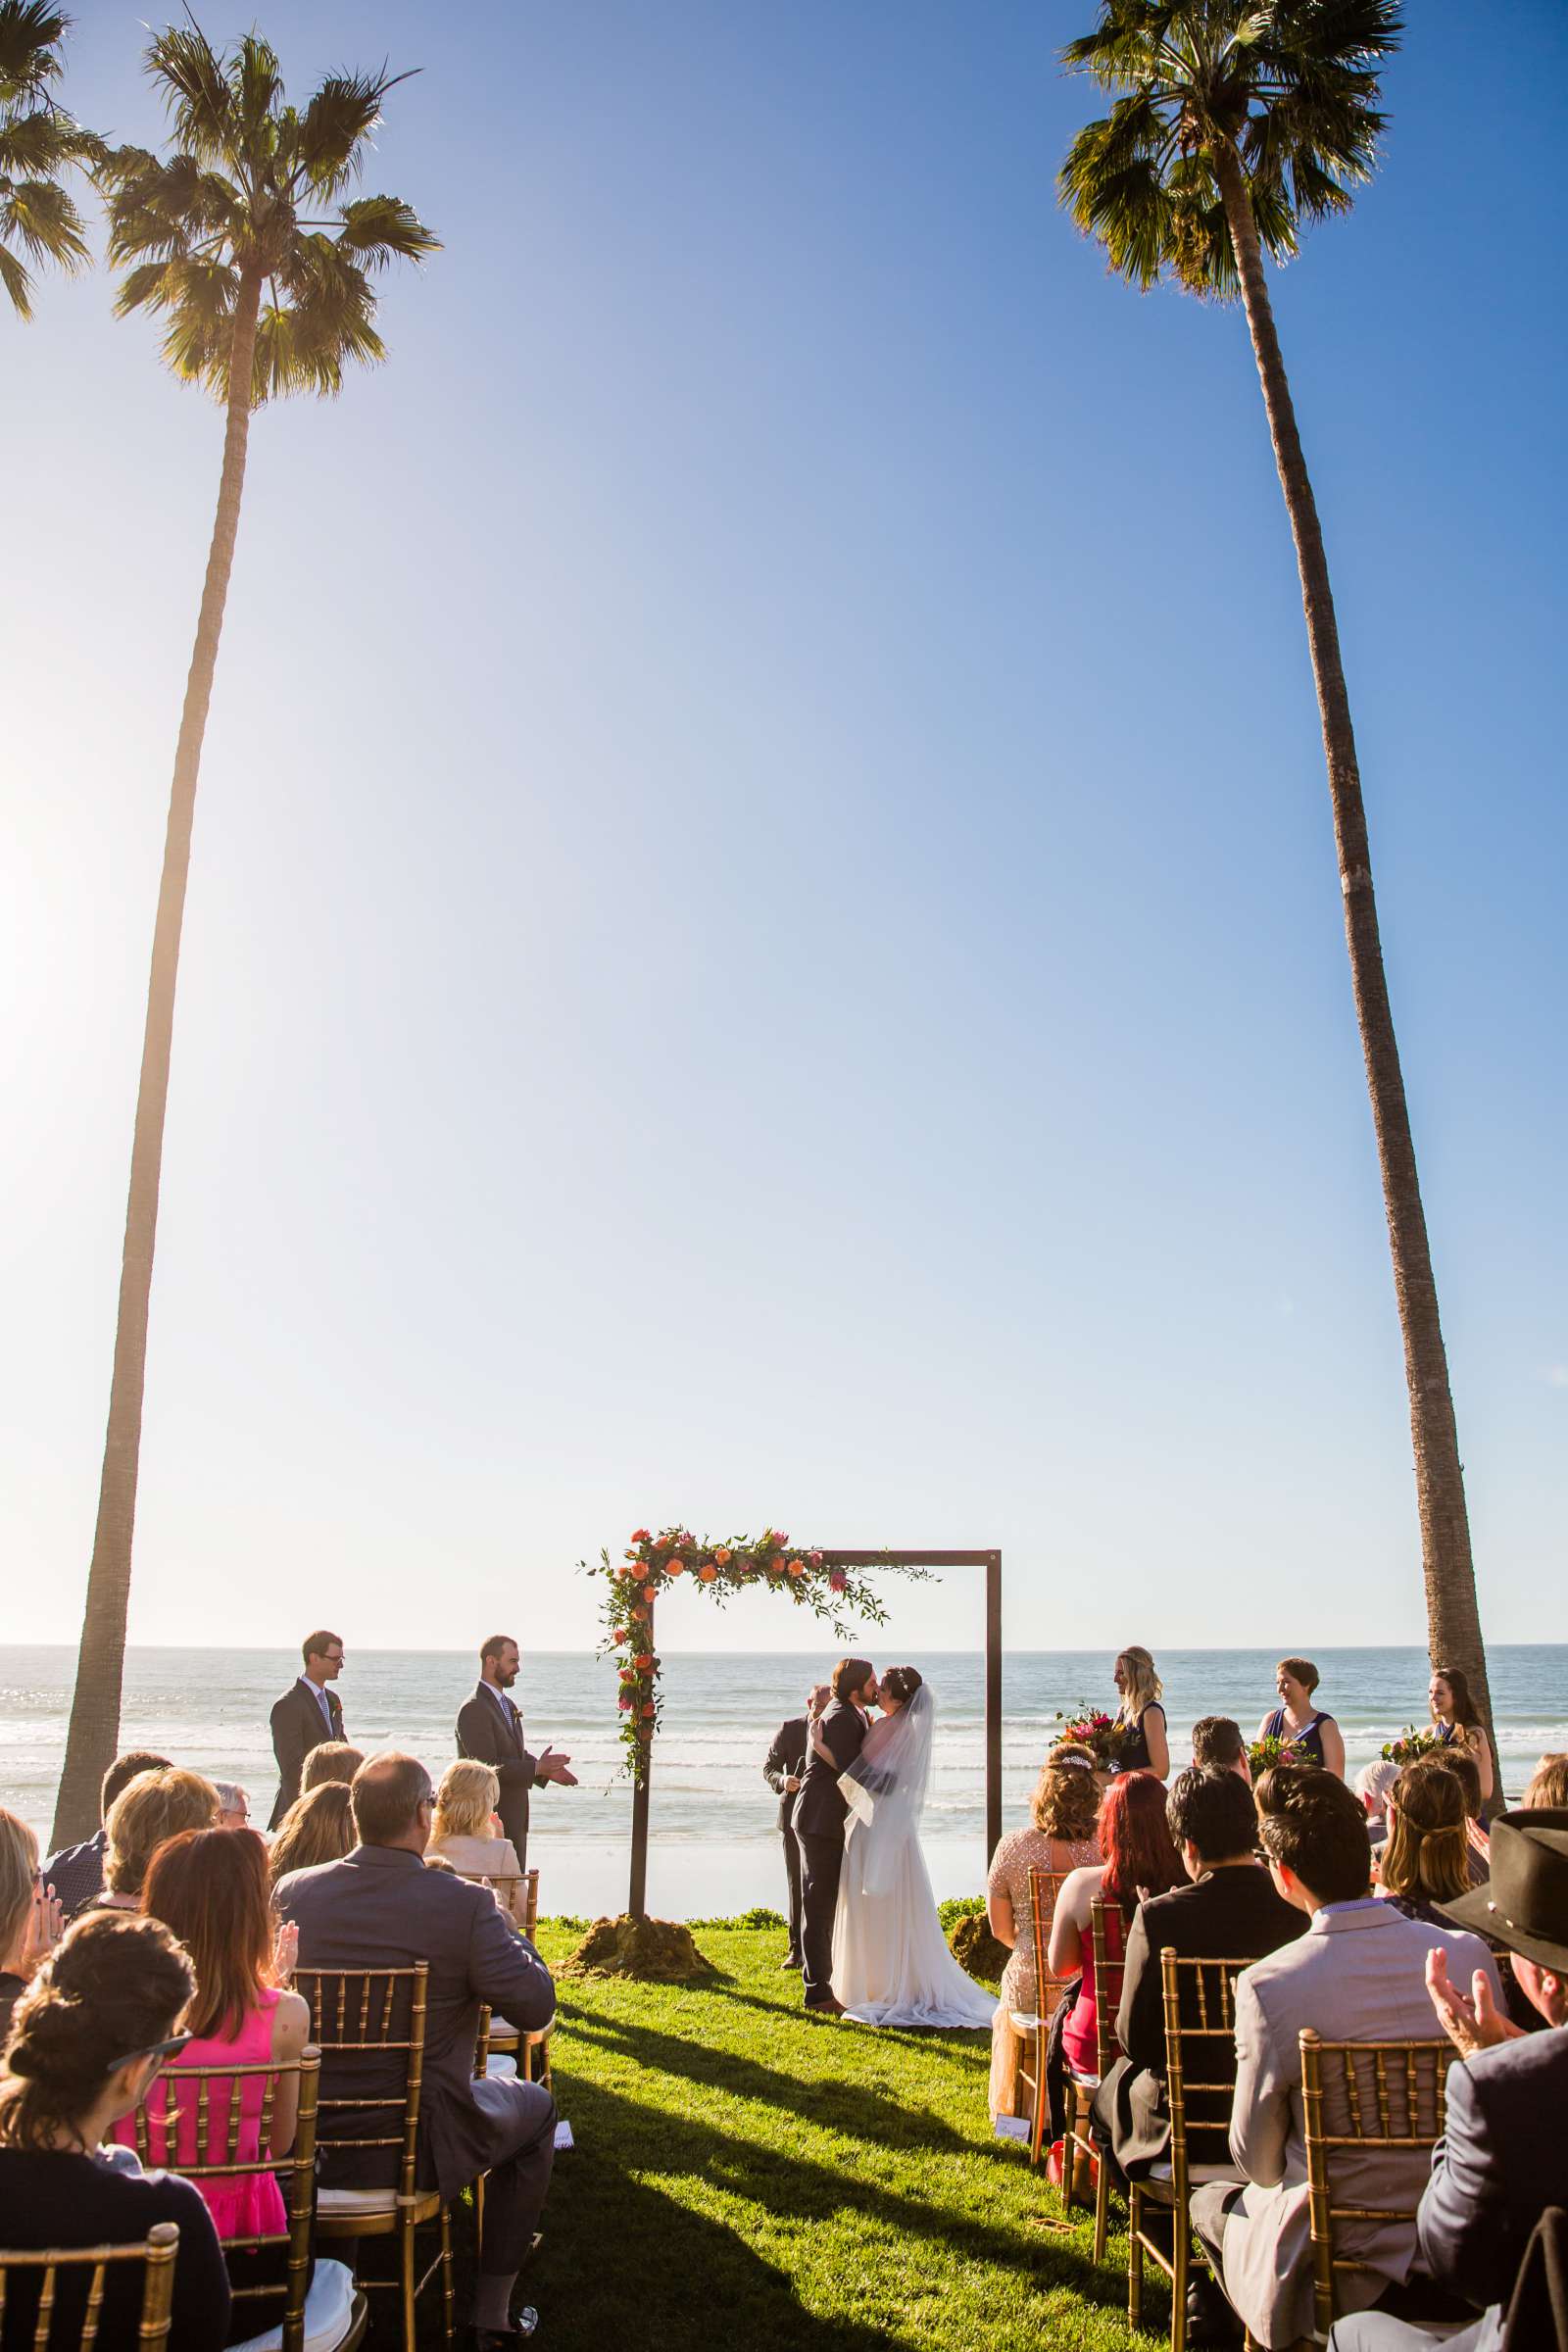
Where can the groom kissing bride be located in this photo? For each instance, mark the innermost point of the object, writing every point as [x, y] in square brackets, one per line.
[873, 1945]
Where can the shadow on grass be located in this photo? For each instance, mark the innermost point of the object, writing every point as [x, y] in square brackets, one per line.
[620, 2135]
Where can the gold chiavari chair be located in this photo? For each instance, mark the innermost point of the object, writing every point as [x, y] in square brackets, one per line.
[1364, 2098]
[213, 2099]
[61, 2267]
[532, 2050]
[359, 2019]
[1081, 2089]
[1199, 2066]
[1033, 2026]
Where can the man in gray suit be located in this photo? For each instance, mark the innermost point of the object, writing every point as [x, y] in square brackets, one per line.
[1358, 1975]
[1502, 2159]
[379, 1907]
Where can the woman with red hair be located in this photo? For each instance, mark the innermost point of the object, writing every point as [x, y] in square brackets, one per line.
[210, 1888]
[1140, 1860]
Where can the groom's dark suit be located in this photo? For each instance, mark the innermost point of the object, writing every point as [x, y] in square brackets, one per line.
[819, 1813]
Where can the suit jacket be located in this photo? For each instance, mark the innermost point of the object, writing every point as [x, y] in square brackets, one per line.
[819, 1810]
[1230, 1914]
[77, 1872]
[379, 1907]
[1501, 2161]
[785, 1758]
[1358, 1975]
[494, 1736]
[297, 1727]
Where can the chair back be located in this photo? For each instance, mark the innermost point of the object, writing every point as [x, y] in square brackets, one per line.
[1045, 1891]
[1538, 2308]
[1106, 1936]
[1377, 2100]
[60, 2270]
[368, 2026]
[504, 1883]
[221, 2127]
[1200, 2008]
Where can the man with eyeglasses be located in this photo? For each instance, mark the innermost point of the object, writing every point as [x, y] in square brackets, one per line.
[306, 1716]
[379, 1907]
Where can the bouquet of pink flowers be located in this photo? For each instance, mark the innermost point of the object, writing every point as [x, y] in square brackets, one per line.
[1092, 1728]
[1416, 1740]
[1263, 1754]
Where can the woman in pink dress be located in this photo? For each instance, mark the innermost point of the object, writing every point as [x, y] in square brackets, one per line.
[1140, 1860]
[210, 1889]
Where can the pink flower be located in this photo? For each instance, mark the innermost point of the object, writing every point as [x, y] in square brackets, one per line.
[838, 1582]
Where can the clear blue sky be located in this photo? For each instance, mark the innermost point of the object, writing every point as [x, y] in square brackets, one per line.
[764, 938]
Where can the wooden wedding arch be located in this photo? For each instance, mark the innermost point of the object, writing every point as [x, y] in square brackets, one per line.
[652, 1562]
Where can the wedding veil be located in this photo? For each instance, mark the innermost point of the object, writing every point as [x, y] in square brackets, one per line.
[886, 1793]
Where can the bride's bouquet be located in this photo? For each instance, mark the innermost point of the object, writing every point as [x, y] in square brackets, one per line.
[1092, 1728]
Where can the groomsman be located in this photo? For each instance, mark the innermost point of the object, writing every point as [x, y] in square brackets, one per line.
[784, 1772]
[490, 1729]
[305, 1716]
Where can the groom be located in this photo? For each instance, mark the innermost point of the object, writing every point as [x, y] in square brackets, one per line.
[819, 1813]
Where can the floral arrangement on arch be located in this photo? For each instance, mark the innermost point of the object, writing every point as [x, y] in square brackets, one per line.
[650, 1564]
[1416, 1740]
[1263, 1754]
[1090, 1727]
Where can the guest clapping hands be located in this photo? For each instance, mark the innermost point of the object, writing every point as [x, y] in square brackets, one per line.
[1299, 1719]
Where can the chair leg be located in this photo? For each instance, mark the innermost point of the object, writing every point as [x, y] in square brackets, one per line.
[406, 2280]
[1102, 2198]
[1037, 2119]
[1069, 2147]
[479, 2214]
[1134, 2259]
[1180, 2255]
[446, 2327]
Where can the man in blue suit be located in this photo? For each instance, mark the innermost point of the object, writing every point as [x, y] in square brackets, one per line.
[1503, 2157]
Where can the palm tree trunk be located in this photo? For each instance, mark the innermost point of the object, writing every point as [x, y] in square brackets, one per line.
[94, 1731]
[1453, 1619]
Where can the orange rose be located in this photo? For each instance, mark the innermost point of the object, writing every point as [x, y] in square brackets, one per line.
[643, 1661]
[648, 1708]
[796, 1567]
[674, 1567]
[721, 1557]
[707, 1572]
[649, 1592]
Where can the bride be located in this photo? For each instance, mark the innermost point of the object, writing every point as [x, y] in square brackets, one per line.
[891, 1962]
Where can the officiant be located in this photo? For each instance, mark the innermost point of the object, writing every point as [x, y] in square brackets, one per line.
[784, 1772]
[490, 1729]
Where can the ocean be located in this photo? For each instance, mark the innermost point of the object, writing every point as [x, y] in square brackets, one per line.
[714, 1845]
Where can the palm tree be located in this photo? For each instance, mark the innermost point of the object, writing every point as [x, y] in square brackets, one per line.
[1234, 124]
[243, 240]
[39, 142]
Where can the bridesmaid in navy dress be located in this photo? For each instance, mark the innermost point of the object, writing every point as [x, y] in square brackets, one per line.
[1456, 1720]
[1145, 1745]
[1299, 1718]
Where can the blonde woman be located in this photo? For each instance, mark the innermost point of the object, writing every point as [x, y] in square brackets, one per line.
[1065, 1807]
[1145, 1746]
[155, 1805]
[465, 1832]
[29, 1915]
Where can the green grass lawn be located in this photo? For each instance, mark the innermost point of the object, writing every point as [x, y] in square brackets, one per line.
[749, 2176]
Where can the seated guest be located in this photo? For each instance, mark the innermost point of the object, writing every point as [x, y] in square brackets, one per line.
[1218, 1745]
[1300, 1719]
[155, 1805]
[1140, 1861]
[318, 1827]
[1427, 1859]
[1501, 2160]
[89, 2037]
[1358, 1975]
[77, 1872]
[233, 1805]
[379, 1907]
[30, 1916]
[1547, 1786]
[465, 1832]
[210, 1889]
[1372, 1785]
[1065, 1808]
[1229, 1911]
[1467, 1772]
[333, 1760]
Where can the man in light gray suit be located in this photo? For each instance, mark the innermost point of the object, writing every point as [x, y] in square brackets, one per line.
[1358, 1975]
[379, 1907]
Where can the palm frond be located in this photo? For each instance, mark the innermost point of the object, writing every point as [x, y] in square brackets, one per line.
[45, 142]
[377, 229]
[334, 128]
[43, 221]
[196, 93]
[17, 282]
[30, 34]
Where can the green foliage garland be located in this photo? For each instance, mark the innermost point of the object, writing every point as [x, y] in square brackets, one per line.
[840, 1597]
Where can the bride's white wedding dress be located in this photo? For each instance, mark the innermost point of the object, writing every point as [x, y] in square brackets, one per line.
[891, 1962]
